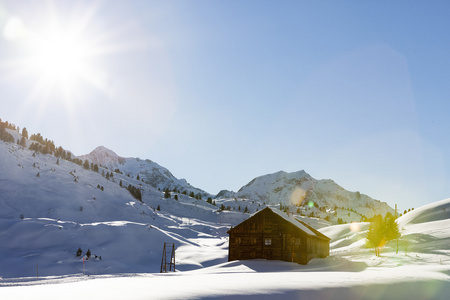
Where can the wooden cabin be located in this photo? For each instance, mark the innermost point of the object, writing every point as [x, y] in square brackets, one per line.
[271, 234]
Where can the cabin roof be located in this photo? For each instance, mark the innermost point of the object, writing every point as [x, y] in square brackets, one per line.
[299, 224]
[293, 221]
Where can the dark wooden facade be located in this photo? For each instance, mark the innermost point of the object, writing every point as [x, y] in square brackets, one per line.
[270, 234]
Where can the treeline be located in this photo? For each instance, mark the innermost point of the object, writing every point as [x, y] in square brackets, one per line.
[8, 125]
[44, 146]
[6, 136]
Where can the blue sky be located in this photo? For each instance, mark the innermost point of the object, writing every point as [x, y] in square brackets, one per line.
[220, 92]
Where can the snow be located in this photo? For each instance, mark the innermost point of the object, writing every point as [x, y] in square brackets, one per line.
[253, 279]
[295, 188]
[293, 221]
[149, 171]
[42, 225]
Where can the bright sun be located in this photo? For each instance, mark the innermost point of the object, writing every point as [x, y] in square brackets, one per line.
[59, 56]
[58, 53]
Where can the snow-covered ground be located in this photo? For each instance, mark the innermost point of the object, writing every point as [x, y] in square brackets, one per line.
[420, 270]
[44, 219]
[331, 278]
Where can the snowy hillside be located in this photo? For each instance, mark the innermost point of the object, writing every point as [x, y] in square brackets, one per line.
[149, 172]
[50, 207]
[300, 189]
[424, 230]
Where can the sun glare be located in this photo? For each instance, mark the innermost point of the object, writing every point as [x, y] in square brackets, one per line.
[59, 57]
[57, 53]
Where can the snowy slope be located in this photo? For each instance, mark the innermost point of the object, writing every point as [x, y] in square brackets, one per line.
[424, 230]
[44, 219]
[150, 172]
[299, 188]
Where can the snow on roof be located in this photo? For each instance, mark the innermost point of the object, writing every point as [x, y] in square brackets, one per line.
[294, 222]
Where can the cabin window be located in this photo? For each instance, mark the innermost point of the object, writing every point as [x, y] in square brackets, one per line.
[268, 242]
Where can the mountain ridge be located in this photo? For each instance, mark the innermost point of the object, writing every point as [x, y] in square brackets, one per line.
[299, 189]
[295, 189]
[148, 171]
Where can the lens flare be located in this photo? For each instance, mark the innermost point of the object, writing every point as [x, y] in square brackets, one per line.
[354, 227]
[297, 196]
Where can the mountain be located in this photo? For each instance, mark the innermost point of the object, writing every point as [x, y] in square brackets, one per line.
[302, 190]
[149, 172]
[225, 194]
[50, 207]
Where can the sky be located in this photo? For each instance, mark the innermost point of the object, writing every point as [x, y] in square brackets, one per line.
[220, 92]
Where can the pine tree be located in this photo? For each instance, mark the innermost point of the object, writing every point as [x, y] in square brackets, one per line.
[374, 237]
[166, 193]
[86, 164]
[79, 252]
[391, 229]
[24, 133]
[22, 142]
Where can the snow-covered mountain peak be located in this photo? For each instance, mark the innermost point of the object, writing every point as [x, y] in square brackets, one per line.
[103, 156]
[103, 149]
[148, 171]
[299, 189]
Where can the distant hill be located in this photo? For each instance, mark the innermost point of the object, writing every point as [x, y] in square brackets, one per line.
[319, 197]
[298, 191]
